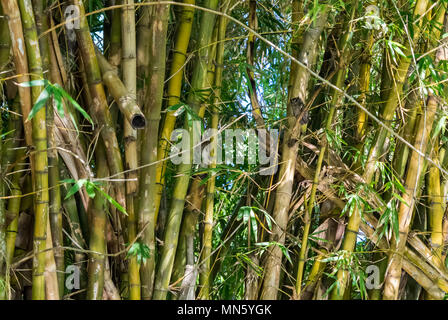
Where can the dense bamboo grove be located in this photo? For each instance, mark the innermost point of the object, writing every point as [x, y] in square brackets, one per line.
[223, 149]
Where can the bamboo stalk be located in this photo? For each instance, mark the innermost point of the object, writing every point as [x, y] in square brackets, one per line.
[13, 157]
[40, 165]
[99, 109]
[377, 148]
[401, 156]
[364, 83]
[187, 232]
[173, 93]
[147, 214]
[3, 227]
[97, 244]
[143, 44]
[422, 136]
[298, 95]
[116, 45]
[55, 214]
[198, 83]
[5, 42]
[435, 198]
[129, 63]
[12, 12]
[336, 102]
[253, 24]
[123, 97]
[204, 275]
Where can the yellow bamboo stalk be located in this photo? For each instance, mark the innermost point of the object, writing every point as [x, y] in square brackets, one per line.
[335, 103]
[377, 149]
[129, 63]
[199, 82]
[173, 93]
[40, 165]
[406, 209]
[204, 276]
[153, 104]
[299, 92]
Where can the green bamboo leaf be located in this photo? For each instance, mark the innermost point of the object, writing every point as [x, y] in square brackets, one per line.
[40, 103]
[90, 188]
[57, 98]
[75, 188]
[73, 102]
[6, 133]
[112, 201]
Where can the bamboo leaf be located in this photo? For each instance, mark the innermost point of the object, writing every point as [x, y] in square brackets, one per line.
[40, 103]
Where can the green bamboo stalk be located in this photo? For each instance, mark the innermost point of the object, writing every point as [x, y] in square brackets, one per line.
[401, 156]
[153, 104]
[199, 82]
[253, 24]
[99, 109]
[12, 162]
[4, 60]
[129, 64]
[55, 208]
[335, 103]
[205, 271]
[40, 165]
[436, 212]
[125, 99]
[5, 42]
[377, 148]
[97, 244]
[77, 231]
[298, 96]
[116, 45]
[413, 174]
[188, 230]
[364, 83]
[3, 227]
[174, 89]
[143, 44]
